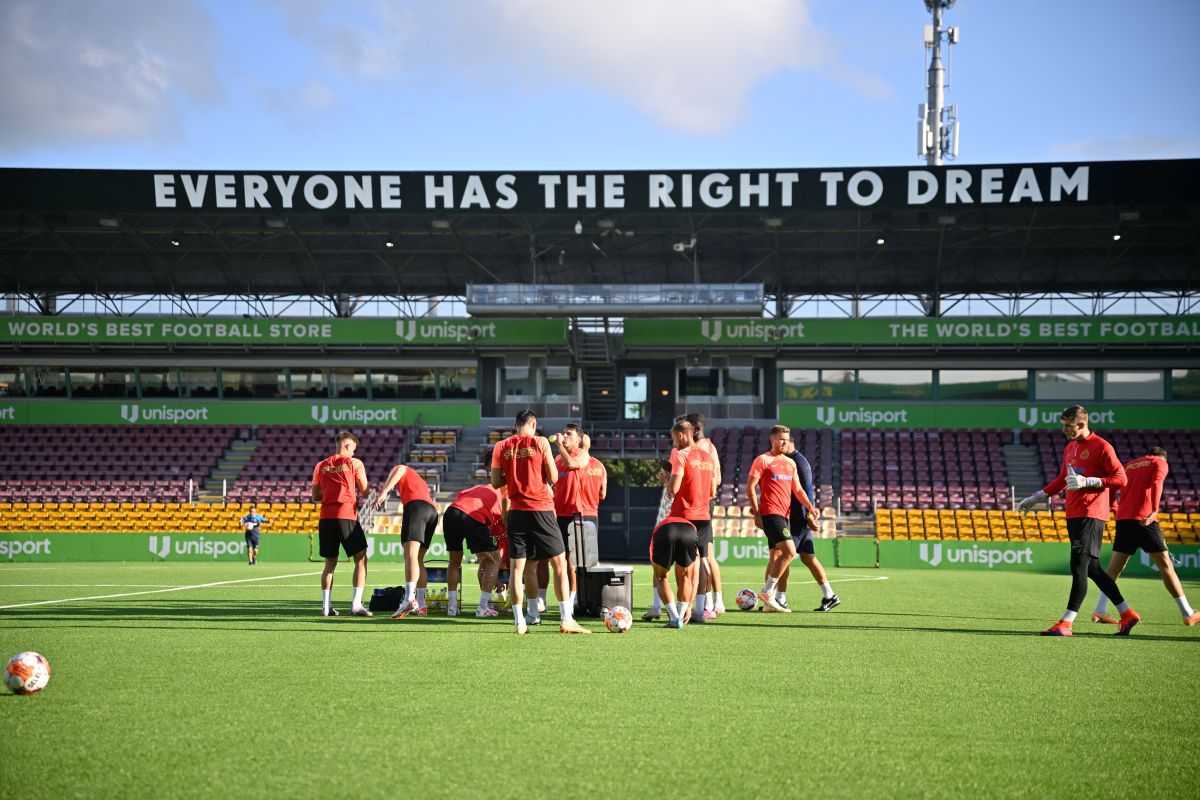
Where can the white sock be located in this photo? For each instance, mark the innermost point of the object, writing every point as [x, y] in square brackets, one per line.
[672, 612]
[518, 613]
[1184, 608]
[656, 606]
[1069, 616]
[769, 586]
[701, 599]
[356, 597]
[410, 590]
[421, 597]
[680, 608]
[452, 597]
[542, 595]
[484, 599]
[1102, 604]
[826, 590]
[326, 602]
[781, 598]
[718, 601]
[710, 599]
[1123, 606]
[531, 606]
[573, 599]
[564, 612]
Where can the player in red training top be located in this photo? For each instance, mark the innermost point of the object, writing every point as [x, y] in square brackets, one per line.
[416, 533]
[675, 543]
[1090, 468]
[1137, 527]
[582, 483]
[476, 516]
[524, 464]
[778, 481]
[691, 486]
[709, 602]
[334, 482]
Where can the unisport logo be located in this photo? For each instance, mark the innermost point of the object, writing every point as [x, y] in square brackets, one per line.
[924, 553]
[162, 552]
[826, 415]
[988, 556]
[24, 547]
[711, 330]
[129, 413]
[1028, 416]
[406, 329]
[320, 414]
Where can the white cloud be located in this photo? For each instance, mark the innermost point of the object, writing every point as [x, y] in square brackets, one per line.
[690, 65]
[79, 71]
[1131, 147]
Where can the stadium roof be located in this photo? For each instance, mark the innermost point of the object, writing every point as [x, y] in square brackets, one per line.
[1014, 228]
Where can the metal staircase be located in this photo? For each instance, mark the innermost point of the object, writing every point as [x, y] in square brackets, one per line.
[594, 349]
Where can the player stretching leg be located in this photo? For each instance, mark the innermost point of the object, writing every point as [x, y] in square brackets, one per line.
[1137, 527]
[1090, 469]
[416, 533]
[776, 478]
[676, 543]
[334, 481]
[524, 464]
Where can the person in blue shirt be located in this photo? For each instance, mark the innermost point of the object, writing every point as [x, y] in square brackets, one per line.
[250, 524]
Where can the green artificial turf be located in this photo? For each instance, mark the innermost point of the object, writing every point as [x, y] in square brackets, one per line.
[927, 684]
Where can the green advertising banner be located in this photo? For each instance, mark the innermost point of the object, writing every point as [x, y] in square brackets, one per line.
[981, 415]
[1018, 556]
[753, 550]
[331, 413]
[217, 331]
[910, 331]
[147, 547]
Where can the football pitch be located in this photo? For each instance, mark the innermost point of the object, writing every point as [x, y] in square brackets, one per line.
[186, 680]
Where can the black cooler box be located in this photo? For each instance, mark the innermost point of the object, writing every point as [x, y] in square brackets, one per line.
[602, 587]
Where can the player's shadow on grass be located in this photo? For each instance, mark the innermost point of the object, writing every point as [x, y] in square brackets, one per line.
[972, 631]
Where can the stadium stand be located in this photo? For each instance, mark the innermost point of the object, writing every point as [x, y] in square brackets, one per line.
[155, 517]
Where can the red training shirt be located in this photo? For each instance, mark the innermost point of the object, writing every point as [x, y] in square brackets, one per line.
[1143, 491]
[1092, 457]
[778, 482]
[521, 459]
[338, 478]
[482, 504]
[696, 467]
[578, 490]
[413, 487]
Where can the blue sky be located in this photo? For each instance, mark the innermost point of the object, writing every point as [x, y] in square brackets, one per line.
[552, 84]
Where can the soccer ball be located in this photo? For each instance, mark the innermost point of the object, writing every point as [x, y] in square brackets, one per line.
[747, 599]
[619, 620]
[27, 673]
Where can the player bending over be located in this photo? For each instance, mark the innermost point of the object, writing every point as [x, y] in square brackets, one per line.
[476, 516]
[1137, 527]
[676, 543]
[776, 478]
[334, 482]
[416, 533]
[1090, 468]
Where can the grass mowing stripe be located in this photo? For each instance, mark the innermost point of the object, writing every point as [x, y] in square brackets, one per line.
[158, 591]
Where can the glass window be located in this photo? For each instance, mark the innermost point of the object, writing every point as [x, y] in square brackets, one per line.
[895, 384]
[348, 382]
[1055, 385]
[799, 384]
[457, 382]
[198, 381]
[112, 382]
[1145, 385]
[263, 383]
[983, 384]
[12, 382]
[400, 383]
[309, 383]
[1185, 384]
[837, 384]
[699, 382]
[559, 386]
[742, 382]
[47, 381]
[158, 382]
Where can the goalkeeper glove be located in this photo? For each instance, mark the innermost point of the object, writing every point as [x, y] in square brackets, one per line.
[1026, 505]
[1080, 482]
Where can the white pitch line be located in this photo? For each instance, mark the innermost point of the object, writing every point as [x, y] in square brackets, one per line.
[159, 591]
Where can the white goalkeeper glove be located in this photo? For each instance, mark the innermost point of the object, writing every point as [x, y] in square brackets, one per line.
[1080, 482]
[1026, 505]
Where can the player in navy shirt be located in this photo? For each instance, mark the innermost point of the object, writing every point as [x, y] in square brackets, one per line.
[250, 524]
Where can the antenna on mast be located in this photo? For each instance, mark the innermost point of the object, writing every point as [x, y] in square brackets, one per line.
[937, 126]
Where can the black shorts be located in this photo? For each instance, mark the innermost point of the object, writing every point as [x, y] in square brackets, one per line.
[675, 543]
[458, 525]
[419, 523]
[251, 538]
[1086, 535]
[1132, 534]
[704, 535]
[564, 527]
[803, 539]
[776, 528]
[344, 532]
[534, 535]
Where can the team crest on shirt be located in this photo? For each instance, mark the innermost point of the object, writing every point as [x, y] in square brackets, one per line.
[1083, 454]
